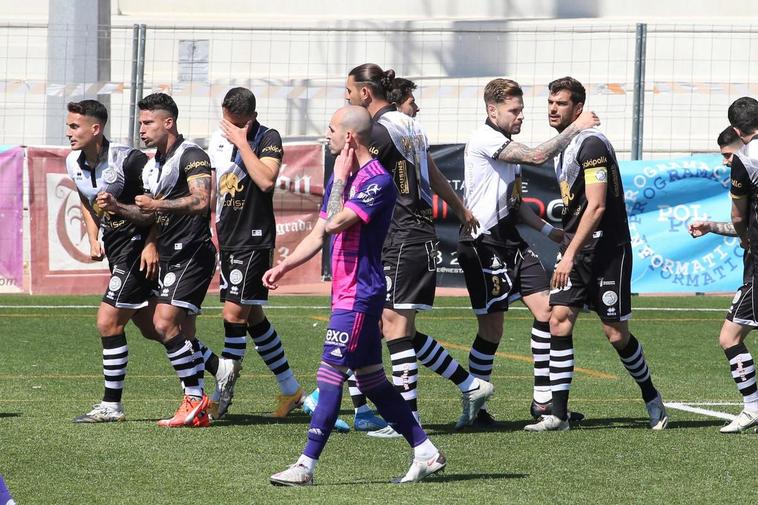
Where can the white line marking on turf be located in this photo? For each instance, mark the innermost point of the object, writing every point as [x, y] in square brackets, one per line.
[697, 410]
[320, 307]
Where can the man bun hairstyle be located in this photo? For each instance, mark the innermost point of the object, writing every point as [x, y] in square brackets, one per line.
[400, 90]
[377, 80]
[159, 101]
[90, 108]
[578, 93]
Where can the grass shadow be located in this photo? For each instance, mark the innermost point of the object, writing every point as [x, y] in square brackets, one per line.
[439, 478]
[10, 414]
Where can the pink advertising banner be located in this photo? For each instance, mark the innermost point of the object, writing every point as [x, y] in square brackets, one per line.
[11, 219]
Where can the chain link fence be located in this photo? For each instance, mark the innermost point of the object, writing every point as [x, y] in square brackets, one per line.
[689, 75]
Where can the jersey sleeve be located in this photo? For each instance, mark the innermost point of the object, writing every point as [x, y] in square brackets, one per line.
[325, 201]
[271, 145]
[740, 185]
[490, 145]
[195, 164]
[595, 161]
[372, 197]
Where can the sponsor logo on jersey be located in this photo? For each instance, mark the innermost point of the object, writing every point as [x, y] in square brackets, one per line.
[602, 160]
[257, 233]
[337, 353]
[197, 164]
[230, 185]
[271, 149]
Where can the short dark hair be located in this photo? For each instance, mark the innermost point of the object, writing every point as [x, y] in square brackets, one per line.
[159, 101]
[372, 75]
[90, 108]
[498, 90]
[239, 101]
[727, 137]
[400, 90]
[743, 114]
[578, 93]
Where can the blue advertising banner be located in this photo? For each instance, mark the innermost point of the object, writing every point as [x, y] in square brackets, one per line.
[662, 197]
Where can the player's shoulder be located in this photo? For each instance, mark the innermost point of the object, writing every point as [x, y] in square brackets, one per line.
[593, 150]
[194, 158]
[217, 141]
[485, 135]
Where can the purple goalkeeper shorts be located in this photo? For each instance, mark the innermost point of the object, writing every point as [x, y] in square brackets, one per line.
[353, 340]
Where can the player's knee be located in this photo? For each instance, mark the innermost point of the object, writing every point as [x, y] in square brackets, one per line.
[617, 336]
[560, 323]
[728, 338]
[163, 326]
[107, 326]
[491, 328]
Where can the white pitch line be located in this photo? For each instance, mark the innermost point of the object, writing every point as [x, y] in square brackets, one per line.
[697, 410]
[324, 307]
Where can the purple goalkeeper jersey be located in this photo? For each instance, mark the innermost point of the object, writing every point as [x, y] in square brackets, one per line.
[357, 274]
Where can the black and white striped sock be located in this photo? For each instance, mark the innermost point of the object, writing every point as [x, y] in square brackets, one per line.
[432, 355]
[115, 359]
[561, 373]
[541, 356]
[235, 341]
[743, 373]
[181, 354]
[481, 358]
[269, 347]
[210, 358]
[358, 398]
[634, 361]
[404, 370]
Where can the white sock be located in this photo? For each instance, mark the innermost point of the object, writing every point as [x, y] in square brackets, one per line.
[111, 405]
[307, 462]
[542, 394]
[425, 450]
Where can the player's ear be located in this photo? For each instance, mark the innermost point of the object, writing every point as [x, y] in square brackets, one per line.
[491, 109]
[168, 123]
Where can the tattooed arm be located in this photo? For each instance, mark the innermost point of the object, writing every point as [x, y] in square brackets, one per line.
[515, 152]
[700, 228]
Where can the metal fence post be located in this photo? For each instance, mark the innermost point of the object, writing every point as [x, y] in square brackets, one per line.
[133, 89]
[639, 90]
[138, 80]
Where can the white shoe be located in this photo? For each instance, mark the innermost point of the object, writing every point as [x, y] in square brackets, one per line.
[421, 469]
[746, 419]
[548, 423]
[102, 414]
[226, 378]
[658, 417]
[472, 401]
[388, 432]
[295, 475]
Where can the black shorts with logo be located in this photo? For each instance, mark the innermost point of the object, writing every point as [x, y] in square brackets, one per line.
[184, 281]
[600, 281]
[128, 288]
[242, 274]
[742, 310]
[496, 275]
[410, 271]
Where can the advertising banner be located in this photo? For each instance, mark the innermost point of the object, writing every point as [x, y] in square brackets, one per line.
[11, 219]
[60, 261]
[662, 197]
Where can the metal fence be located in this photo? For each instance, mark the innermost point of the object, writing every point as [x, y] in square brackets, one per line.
[669, 83]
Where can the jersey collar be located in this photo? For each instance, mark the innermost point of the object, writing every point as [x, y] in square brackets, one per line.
[387, 108]
[161, 158]
[102, 155]
[496, 128]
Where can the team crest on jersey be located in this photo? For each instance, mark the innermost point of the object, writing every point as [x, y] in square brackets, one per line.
[230, 184]
[235, 276]
[170, 279]
[110, 176]
[114, 284]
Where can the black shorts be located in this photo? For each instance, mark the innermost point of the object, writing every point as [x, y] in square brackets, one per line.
[184, 282]
[600, 281]
[496, 275]
[742, 311]
[128, 288]
[242, 274]
[410, 271]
